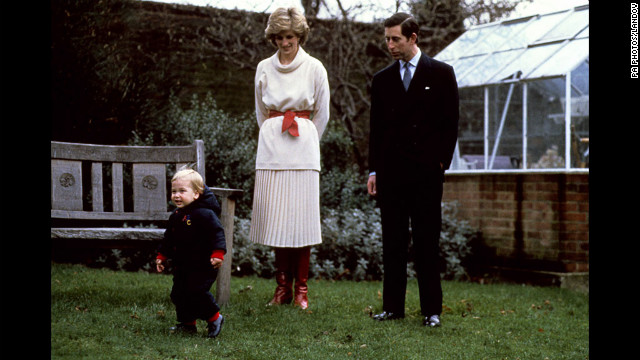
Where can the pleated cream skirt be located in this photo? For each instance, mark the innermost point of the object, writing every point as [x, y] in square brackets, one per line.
[286, 208]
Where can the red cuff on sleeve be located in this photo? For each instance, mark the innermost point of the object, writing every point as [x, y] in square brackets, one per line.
[218, 254]
[161, 257]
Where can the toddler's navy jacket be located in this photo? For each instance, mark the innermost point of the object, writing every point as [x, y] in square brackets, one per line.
[193, 234]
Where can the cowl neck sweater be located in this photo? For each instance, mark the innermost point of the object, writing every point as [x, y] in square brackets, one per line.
[301, 56]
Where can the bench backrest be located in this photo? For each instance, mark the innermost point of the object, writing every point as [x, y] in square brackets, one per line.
[148, 173]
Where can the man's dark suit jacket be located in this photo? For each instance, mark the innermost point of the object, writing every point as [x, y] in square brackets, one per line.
[412, 132]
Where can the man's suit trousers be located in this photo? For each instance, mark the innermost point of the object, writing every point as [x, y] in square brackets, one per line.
[411, 211]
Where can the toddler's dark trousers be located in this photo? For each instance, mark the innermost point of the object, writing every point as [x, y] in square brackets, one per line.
[191, 296]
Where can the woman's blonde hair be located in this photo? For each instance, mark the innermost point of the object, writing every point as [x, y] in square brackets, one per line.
[193, 177]
[283, 19]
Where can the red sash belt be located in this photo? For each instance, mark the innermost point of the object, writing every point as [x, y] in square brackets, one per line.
[289, 123]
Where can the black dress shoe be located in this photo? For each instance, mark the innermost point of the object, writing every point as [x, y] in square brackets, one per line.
[214, 327]
[431, 321]
[387, 316]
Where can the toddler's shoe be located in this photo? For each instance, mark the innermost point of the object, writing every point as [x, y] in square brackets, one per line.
[432, 321]
[214, 327]
[183, 329]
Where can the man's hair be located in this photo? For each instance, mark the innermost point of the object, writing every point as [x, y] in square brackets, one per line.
[408, 24]
[192, 176]
[287, 19]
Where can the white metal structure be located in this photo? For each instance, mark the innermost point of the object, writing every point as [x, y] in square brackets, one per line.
[524, 92]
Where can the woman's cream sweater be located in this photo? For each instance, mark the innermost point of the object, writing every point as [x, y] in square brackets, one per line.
[301, 85]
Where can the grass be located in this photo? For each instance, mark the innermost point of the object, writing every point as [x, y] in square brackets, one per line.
[105, 314]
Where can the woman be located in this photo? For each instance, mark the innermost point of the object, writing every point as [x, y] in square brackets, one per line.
[292, 109]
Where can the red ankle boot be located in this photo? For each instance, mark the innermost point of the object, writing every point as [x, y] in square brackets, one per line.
[284, 277]
[302, 275]
[283, 293]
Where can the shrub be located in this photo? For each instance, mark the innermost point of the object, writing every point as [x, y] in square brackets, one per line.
[250, 258]
[352, 247]
[456, 238]
[230, 143]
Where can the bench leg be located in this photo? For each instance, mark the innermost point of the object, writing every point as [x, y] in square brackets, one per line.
[224, 274]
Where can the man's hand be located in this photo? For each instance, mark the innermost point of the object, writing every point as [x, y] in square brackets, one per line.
[371, 185]
[217, 263]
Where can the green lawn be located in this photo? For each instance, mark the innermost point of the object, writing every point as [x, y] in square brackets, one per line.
[105, 314]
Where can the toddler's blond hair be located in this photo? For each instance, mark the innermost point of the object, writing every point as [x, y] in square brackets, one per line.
[193, 177]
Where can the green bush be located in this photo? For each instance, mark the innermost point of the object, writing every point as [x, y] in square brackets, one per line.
[230, 143]
[456, 237]
[352, 247]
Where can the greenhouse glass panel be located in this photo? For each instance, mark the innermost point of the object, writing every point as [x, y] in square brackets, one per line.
[583, 34]
[580, 79]
[534, 31]
[580, 116]
[484, 71]
[546, 124]
[566, 59]
[526, 62]
[568, 27]
[507, 35]
[468, 44]
[464, 66]
[471, 127]
[505, 126]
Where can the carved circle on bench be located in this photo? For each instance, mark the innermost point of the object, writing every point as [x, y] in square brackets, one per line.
[67, 180]
[149, 182]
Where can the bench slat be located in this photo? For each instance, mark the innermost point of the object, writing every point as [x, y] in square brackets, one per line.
[117, 187]
[123, 154]
[108, 233]
[66, 185]
[92, 215]
[96, 187]
[149, 188]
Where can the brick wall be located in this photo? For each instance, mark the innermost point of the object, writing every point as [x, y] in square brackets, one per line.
[534, 221]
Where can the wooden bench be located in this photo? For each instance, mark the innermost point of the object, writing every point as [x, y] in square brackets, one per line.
[137, 178]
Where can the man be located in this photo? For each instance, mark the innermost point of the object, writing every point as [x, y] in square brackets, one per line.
[412, 139]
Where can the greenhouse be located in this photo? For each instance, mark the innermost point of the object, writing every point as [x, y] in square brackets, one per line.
[524, 93]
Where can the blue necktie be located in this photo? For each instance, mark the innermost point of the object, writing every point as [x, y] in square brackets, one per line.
[406, 79]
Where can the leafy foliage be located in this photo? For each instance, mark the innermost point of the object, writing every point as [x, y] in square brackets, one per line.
[230, 143]
[456, 239]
